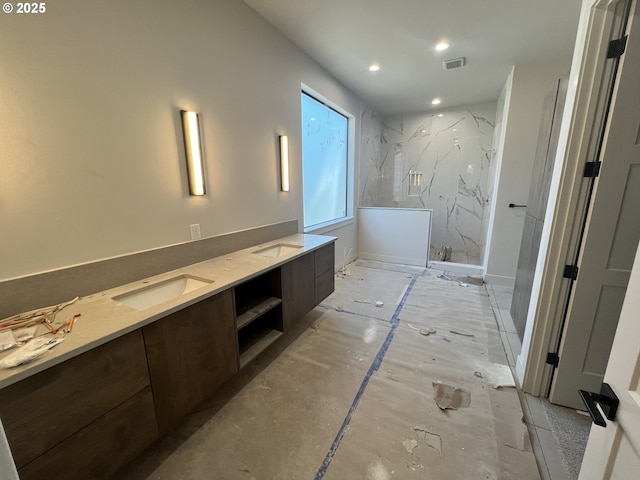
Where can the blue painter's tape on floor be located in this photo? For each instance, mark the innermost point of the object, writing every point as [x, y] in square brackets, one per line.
[375, 366]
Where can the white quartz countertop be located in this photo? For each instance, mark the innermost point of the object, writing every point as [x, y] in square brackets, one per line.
[103, 319]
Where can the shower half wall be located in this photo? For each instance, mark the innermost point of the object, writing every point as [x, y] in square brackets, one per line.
[439, 160]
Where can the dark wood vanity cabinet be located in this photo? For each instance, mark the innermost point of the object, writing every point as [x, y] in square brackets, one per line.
[306, 281]
[83, 418]
[94, 413]
[90, 415]
[190, 353]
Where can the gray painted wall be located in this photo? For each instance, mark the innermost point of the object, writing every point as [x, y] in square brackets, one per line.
[91, 148]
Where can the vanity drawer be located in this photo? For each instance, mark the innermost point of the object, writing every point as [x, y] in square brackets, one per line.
[41, 411]
[324, 286]
[98, 450]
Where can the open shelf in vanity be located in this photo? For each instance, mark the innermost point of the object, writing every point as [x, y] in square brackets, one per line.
[258, 304]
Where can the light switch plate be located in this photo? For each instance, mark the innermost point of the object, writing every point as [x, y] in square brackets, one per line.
[195, 231]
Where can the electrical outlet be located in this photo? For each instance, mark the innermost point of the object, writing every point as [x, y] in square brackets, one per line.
[195, 231]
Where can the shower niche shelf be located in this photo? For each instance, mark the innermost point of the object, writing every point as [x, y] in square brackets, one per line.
[259, 322]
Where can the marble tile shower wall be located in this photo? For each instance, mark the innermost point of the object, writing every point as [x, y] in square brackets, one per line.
[442, 161]
[372, 164]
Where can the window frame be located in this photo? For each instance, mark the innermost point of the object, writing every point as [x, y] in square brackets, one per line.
[348, 218]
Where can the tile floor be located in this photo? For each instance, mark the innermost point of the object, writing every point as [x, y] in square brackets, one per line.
[542, 440]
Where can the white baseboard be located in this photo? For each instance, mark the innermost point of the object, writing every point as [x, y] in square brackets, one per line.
[500, 280]
[520, 367]
[391, 259]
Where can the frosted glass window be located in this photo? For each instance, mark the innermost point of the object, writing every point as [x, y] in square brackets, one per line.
[324, 162]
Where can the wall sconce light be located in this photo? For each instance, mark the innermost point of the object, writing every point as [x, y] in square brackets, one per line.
[193, 149]
[284, 163]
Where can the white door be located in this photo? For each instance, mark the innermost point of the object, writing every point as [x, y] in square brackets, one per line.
[614, 452]
[611, 237]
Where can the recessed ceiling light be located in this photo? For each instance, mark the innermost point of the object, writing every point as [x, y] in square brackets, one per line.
[374, 67]
[436, 101]
[442, 45]
[441, 114]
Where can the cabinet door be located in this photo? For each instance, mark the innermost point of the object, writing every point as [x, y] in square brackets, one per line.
[324, 266]
[191, 353]
[325, 259]
[298, 288]
[41, 411]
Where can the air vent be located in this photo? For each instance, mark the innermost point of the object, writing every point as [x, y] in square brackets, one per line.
[453, 63]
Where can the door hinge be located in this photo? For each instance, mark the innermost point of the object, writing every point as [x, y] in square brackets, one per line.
[553, 359]
[570, 272]
[592, 169]
[617, 47]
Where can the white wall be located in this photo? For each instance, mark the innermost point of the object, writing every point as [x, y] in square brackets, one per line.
[497, 147]
[91, 149]
[531, 83]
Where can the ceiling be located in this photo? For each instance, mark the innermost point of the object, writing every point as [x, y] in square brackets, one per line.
[346, 36]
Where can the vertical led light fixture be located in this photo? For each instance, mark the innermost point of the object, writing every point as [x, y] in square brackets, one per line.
[284, 163]
[193, 149]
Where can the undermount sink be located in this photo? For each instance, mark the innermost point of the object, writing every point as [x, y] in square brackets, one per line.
[151, 295]
[277, 250]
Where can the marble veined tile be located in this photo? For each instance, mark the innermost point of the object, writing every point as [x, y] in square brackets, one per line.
[452, 152]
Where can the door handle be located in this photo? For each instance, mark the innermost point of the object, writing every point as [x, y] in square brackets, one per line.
[515, 205]
[607, 399]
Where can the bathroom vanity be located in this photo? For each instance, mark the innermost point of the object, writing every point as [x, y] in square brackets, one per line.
[143, 356]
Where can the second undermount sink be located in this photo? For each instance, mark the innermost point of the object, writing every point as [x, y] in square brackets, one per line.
[151, 295]
[277, 250]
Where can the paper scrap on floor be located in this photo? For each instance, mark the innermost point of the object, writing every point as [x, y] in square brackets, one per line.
[448, 397]
[496, 374]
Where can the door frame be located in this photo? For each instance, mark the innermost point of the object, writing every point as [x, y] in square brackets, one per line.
[582, 123]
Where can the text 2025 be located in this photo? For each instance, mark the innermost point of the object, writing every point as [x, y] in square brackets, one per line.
[31, 7]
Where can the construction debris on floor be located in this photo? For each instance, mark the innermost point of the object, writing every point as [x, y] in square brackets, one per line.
[397, 375]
